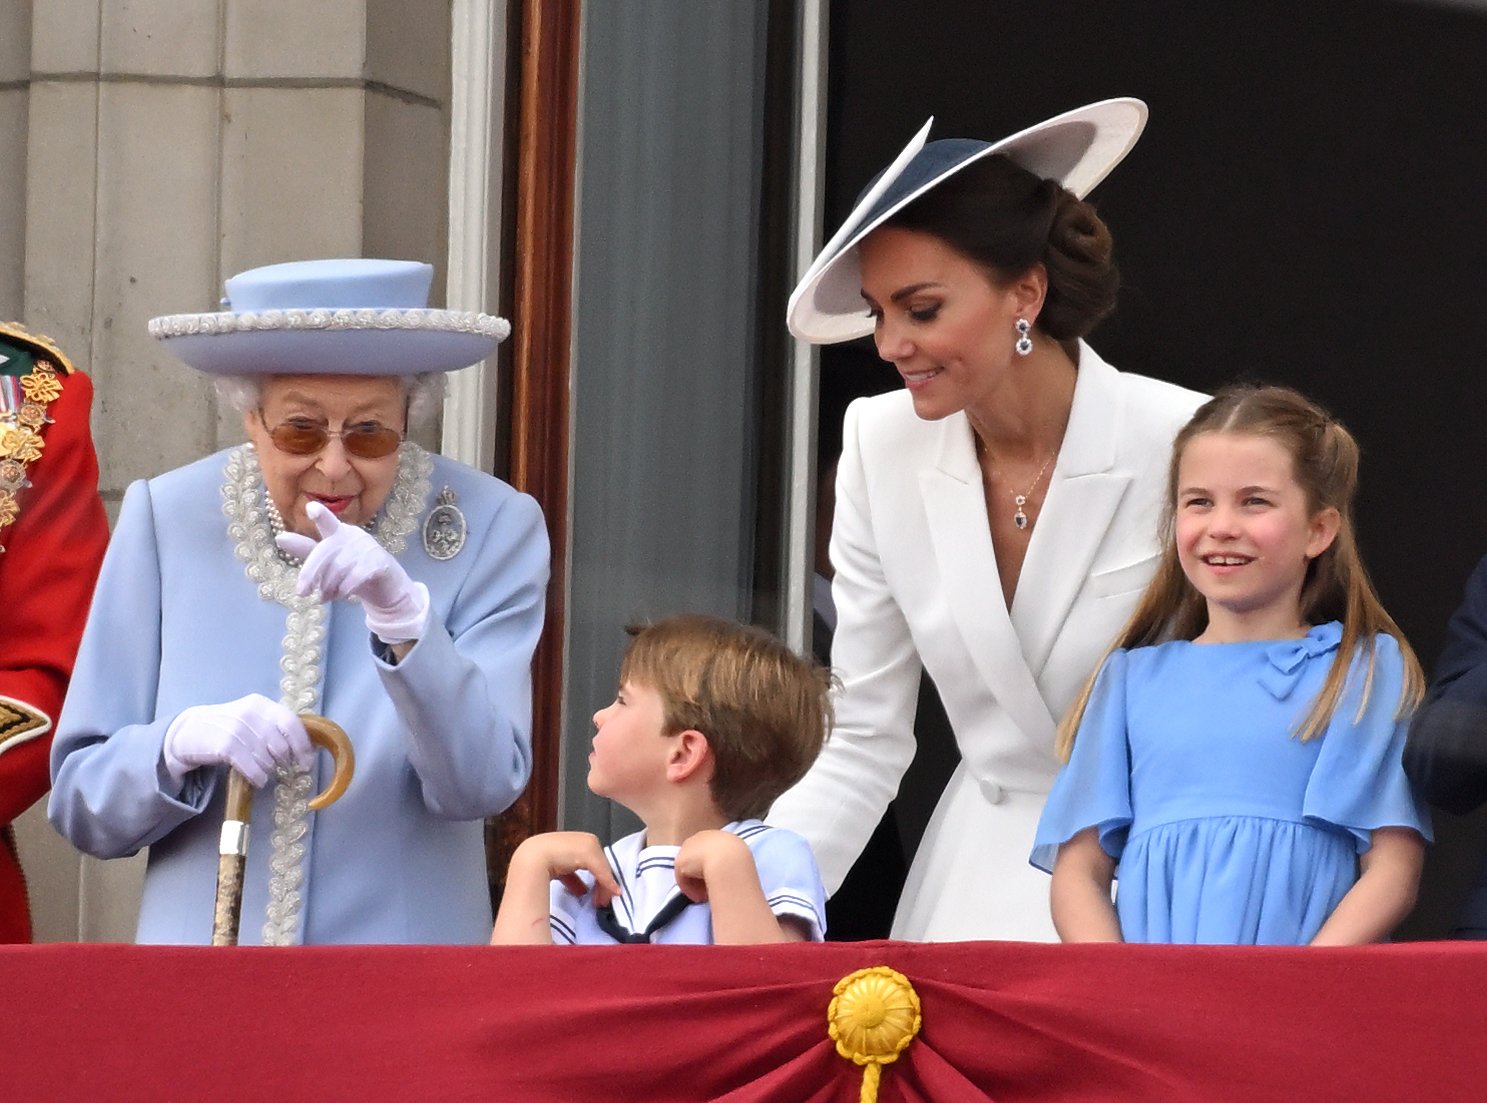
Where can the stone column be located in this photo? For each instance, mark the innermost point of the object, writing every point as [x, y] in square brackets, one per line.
[167, 144]
[15, 80]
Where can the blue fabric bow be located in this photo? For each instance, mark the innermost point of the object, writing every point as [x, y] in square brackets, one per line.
[1288, 658]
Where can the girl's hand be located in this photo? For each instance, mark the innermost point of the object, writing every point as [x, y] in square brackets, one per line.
[1080, 892]
[1389, 877]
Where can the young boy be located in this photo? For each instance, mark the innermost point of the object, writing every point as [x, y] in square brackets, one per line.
[712, 721]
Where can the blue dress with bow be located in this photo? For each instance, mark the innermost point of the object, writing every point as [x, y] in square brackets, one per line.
[1225, 827]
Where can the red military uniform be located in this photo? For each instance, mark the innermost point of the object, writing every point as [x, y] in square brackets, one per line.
[53, 531]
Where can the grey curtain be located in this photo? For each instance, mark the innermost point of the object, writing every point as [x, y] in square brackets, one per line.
[665, 368]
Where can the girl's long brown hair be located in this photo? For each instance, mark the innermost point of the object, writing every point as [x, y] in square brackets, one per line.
[1324, 459]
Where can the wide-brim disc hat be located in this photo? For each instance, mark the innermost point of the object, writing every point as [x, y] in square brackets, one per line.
[331, 317]
[1077, 148]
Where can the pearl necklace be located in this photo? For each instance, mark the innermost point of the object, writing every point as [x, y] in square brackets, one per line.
[252, 523]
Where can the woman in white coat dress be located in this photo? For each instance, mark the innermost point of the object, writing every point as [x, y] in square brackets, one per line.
[996, 520]
[329, 565]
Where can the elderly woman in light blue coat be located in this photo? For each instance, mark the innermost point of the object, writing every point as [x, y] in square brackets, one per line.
[326, 566]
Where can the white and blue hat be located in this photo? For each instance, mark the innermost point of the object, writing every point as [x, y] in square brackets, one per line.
[331, 317]
[1077, 148]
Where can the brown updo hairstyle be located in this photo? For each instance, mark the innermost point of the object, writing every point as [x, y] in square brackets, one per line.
[1007, 219]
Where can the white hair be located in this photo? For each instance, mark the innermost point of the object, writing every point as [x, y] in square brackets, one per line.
[424, 393]
[243, 393]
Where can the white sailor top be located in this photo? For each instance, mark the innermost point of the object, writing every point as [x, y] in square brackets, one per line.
[651, 908]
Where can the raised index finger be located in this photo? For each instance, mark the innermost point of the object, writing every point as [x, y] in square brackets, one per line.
[322, 518]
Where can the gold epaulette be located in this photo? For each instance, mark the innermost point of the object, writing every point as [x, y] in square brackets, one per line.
[23, 412]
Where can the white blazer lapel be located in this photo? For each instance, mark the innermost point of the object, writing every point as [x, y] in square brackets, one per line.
[1082, 499]
[960, 533]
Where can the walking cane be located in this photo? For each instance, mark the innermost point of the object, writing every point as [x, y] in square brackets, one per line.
[234, 848]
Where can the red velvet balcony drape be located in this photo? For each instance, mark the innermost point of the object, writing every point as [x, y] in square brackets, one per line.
[1001, 1021]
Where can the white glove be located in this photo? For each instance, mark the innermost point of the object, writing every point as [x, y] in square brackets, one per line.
[347, 562]
[251, 734]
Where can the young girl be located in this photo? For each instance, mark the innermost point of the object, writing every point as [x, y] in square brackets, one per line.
[1237, 759]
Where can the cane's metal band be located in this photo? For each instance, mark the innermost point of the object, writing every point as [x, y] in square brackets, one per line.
[234, 839]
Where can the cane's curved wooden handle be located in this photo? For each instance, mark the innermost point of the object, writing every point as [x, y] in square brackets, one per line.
[330, 735]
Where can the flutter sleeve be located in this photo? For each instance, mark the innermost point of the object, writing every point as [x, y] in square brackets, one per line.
[1358, 783]
[1094, 788]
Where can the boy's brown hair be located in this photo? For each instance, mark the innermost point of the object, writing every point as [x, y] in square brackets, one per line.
[764, 709]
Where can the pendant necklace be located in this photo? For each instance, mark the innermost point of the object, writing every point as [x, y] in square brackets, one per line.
[1020, 518]
[1019, 501]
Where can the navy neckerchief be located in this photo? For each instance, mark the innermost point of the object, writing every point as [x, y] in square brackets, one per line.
[611, 926]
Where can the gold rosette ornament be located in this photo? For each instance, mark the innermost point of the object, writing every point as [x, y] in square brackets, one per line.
[20, 444]
[42, 385]
[21, 441]
[874, 1015]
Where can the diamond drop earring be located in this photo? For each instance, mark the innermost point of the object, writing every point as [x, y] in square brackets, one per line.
[1024, 342]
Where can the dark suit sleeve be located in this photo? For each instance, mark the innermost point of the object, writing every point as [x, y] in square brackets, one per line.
[1446, 755]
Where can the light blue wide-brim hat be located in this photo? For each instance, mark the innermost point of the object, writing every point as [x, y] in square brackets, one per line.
[1077, 148]
[331, 317]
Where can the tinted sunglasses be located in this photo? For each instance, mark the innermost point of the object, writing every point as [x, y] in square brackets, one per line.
[368, 440]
